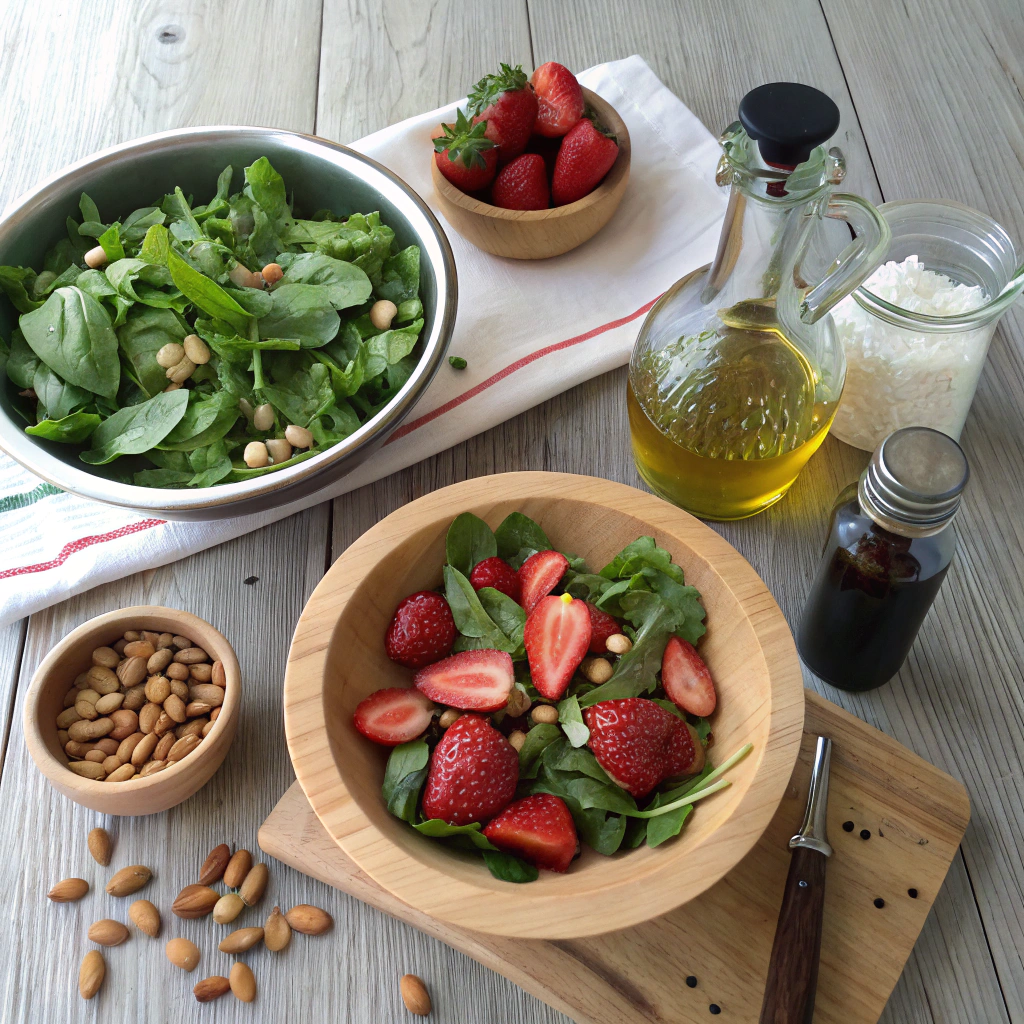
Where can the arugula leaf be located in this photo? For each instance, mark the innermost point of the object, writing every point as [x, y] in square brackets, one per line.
[136, 428]
[404, 777]
[72, 429]
[509, 868]
[469, 540]
[571, 719]
[72, 333]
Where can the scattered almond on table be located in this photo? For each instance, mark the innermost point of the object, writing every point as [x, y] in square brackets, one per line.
[414, 995]
[146, 702]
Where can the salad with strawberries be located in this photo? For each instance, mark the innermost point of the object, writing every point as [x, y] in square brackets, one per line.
[526, 144]
[550, 705]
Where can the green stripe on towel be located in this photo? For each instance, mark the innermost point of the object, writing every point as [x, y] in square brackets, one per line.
[15, 501]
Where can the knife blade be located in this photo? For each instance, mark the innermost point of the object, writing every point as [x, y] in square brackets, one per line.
[793, 967]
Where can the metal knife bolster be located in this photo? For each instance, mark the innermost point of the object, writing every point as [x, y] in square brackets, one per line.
[812, 834]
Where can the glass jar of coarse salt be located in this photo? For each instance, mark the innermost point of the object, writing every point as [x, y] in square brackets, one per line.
[916, 333]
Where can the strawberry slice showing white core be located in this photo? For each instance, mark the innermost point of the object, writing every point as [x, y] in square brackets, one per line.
[557, 637]
[394, 715]
[469, 681]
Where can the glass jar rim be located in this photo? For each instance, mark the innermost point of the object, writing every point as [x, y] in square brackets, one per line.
[971, 319]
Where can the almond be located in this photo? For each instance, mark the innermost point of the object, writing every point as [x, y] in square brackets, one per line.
[206, 693]
[108, 932]
[277, 933]
[215, 863]
[217, 674]
[139, 649]
[414, 995]
[194, 901]
[183, 954]
[144, 749]
[129, 880]
[69, 890]
[211, 988]
[201, 673]
[183, 747]
[152, 767]
[163, 748]
[106, 657]
[130, 672]
[88, 770]
[238, 867]
[175, 707]
[308, 919]
[145, 917]
[191, 656]
[176, 671]
[195, 708]
[91, 973]
[255, 885]
[240, 940]
[243, 982]
[121, 774]
[227, 908]
[159, 661]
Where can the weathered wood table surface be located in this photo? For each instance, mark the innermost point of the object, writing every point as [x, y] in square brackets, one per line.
[931, 100]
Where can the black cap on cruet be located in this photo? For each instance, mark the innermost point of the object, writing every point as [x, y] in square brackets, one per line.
[787, 120]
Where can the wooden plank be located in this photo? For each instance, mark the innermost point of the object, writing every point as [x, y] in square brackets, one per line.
[938, 94]
[723, 937]
[12, 641]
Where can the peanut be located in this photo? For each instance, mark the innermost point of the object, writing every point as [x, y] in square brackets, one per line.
[180, 372]
[83, 731]
[102, 680]
[159, 661]
[298, 437]
[86, 709]
[97, 755]
[132, 634]
[139, 649]
[181, 642]
[107, 744]
[151, 768]
[183, 747]
[201, 673]
[280, 449]
[596, 670]
[135, 698]
[179, 688]
[193, 727]
[149, 716]
[111, 763]
[144, 749]
[122, 774]
[157, 689]
[619, 643]
[207, 693]
[164, 640]
[196, 349]
[176, 671]
[127, 746]
[111, 702]
[449, 717]
[170, 355]
[105, 657]
[163, 747]
[88, 770]
[517, 738]
[125, 723]
[544, 714]
[174, 706]
[191, 656]
[131, 672]
[217, 674]
[272, 273]
[382, 312]
[67, 718]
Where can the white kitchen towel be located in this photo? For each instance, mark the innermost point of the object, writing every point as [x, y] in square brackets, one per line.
[528, 330]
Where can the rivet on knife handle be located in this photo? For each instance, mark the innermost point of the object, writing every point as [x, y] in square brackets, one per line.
[793, 967]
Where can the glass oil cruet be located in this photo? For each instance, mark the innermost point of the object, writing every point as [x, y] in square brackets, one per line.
[737, 371]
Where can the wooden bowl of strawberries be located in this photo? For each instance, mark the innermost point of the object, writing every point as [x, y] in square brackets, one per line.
[533, 168]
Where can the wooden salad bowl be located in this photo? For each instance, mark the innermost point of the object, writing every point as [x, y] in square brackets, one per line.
[337, 658]
[56, 673]
[538, 234]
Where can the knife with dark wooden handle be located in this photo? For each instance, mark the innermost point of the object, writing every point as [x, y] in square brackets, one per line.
[793, 967]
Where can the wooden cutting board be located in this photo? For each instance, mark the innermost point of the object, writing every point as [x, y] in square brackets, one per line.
[911, 817]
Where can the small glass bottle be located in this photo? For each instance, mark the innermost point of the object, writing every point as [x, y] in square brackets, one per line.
[889, 546]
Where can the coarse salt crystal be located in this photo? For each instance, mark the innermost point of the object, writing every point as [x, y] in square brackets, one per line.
[899, 378]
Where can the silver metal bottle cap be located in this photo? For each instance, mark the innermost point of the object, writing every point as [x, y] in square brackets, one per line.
[914, 482]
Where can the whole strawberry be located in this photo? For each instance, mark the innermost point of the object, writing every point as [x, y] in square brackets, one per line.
[497, 573]
[473, 773]
[559, 99]
[638, 743]
[585, 157]
[422, 630]
[465, 155]
[507, 103]
[522, 184]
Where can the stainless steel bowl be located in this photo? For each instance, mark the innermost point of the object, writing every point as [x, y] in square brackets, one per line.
[322, 174]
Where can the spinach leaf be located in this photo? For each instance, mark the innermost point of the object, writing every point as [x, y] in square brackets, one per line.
[72, 333]
[344, 285]
[508, 616]
[137, 223]
[509, 868]
[470, 618]
[667, 825]
[22, 362]
[16, 281]
[207, 418]
[400, 276]
[72, 429]
[300, 312]
[210, 464]
[183, 225]
[517, 533]
[305, 394]
[435, 828]
[538, 739]
[383, 350]
[136, 428]
[57, 397]
[141, 336]
[162, 478]
[404, 777]
[89, 210]
[335, 424]
[111, 242]
[469, 540]
[266, 187]
[571, 719]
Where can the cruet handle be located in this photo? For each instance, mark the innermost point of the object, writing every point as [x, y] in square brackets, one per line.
[856, 262]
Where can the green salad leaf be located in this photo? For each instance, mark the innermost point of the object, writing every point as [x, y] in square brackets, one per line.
[469, 540]
[404, 777]
[136, 428]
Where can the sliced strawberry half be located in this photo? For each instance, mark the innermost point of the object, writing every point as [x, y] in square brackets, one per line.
[537, 828]
[539, 575]
[557, 636]
[602, 626]
[686, 678]
[497, 573]
[638, 743]
[473, 773]
[394, 715]
[470, 680]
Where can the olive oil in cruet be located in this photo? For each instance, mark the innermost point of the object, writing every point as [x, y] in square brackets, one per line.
[737, 372]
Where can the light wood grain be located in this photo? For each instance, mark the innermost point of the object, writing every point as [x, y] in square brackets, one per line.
[540, 234]
[337, 660]
[915, 814]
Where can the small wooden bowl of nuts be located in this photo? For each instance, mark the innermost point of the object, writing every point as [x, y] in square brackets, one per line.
[133, 711]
